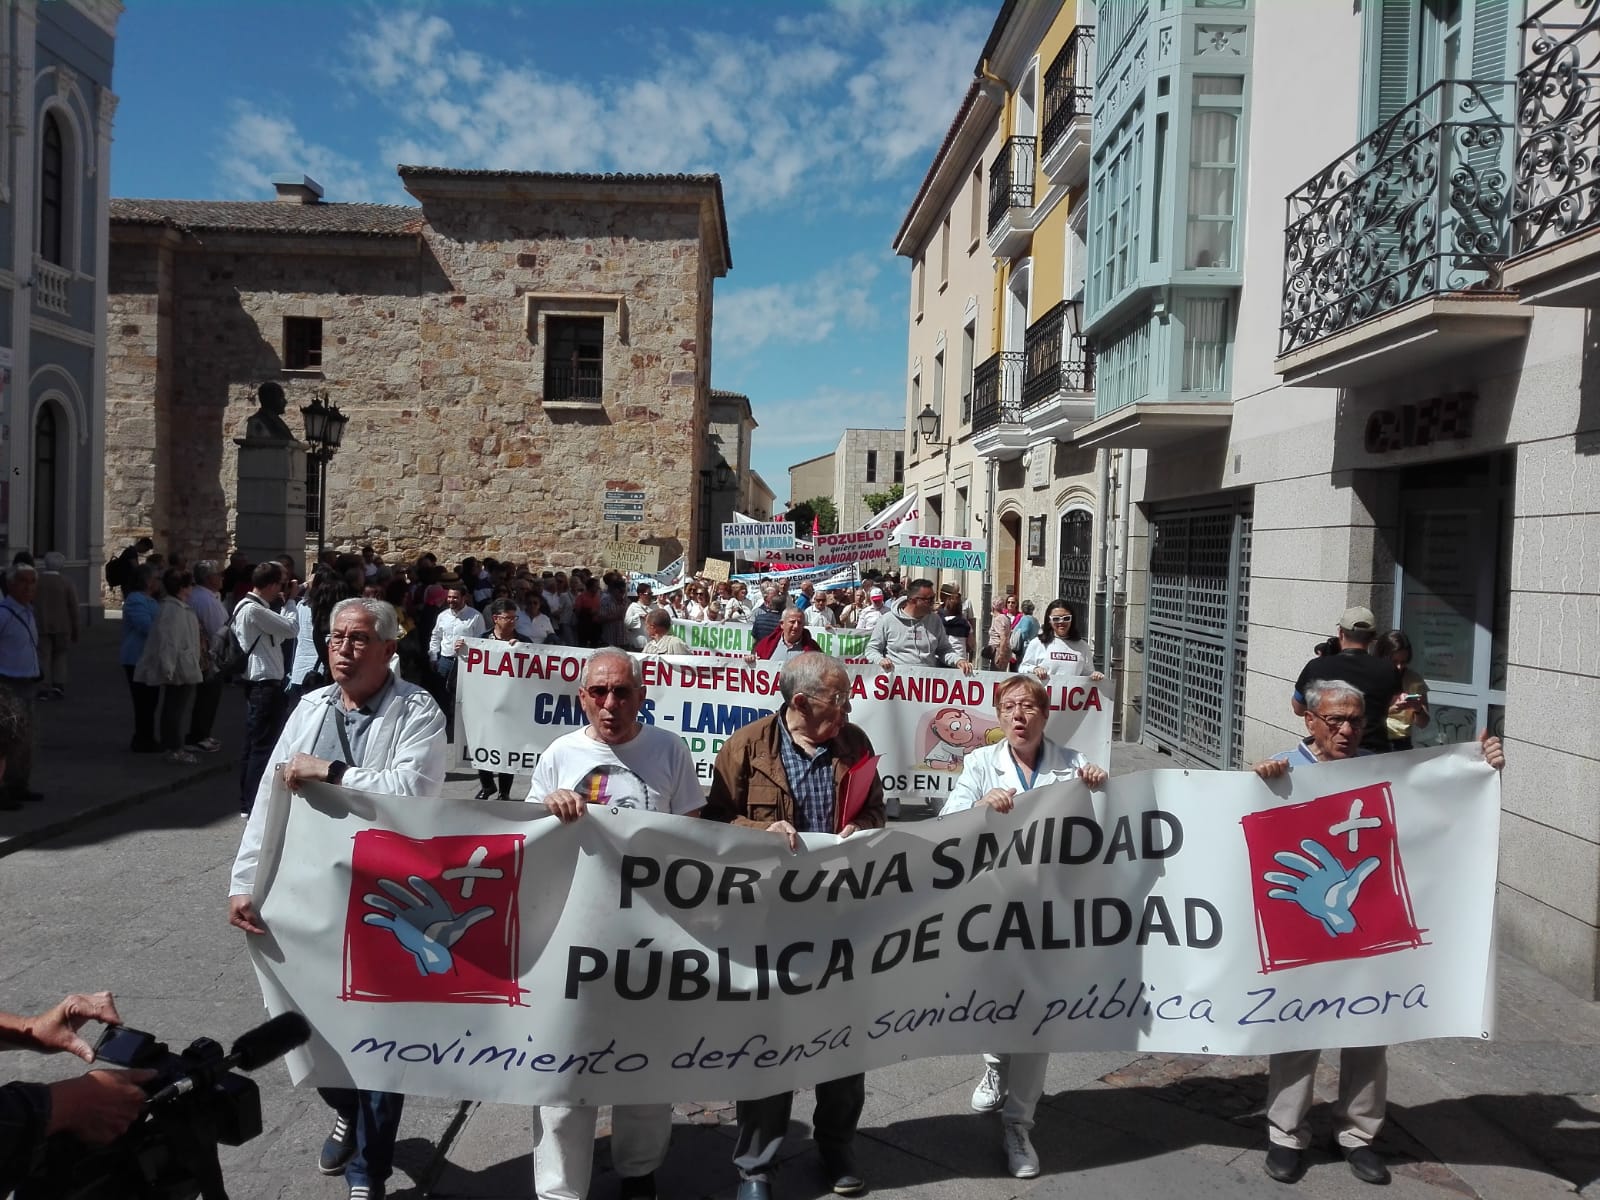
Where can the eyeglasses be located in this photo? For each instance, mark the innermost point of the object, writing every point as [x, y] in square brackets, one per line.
[840, 700]
[1333, 721]
[1023, 708]
[599, 693]
[357, 641]
[1064, 618]
[928, 599]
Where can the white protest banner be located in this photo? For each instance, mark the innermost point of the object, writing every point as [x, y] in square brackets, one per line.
[735, 639]
[482, 950]
[517, 699]
[941, 552]
[872, 541]
[752, 537]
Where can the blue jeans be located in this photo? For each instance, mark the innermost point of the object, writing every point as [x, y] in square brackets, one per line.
[265, 708]
[375, 1117]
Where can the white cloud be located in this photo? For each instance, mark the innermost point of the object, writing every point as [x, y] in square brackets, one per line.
[804, 312]
[841, 96]
[810, 424]
[259, 144]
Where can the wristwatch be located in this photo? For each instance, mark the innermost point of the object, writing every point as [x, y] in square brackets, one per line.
[336, 770]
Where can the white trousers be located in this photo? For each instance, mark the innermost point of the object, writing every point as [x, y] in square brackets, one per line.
[563, 1146]
[1363, 1095]
[1022, 1075]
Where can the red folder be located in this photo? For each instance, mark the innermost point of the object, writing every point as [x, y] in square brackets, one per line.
[858, 781]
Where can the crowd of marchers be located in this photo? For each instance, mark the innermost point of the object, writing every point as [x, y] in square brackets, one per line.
[348, 679]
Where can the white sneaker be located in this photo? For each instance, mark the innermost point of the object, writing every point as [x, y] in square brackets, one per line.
[1021, 1160]
[990, 1093]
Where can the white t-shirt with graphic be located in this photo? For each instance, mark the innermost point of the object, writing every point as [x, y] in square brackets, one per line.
[652, 771]
[1063, 659]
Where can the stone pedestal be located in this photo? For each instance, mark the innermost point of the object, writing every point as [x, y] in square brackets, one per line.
[272, 498]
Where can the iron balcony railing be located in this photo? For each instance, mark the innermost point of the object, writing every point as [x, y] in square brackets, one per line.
[1419, 206]
[1066, 87]
[997, 390]
[1557, 191]
[1056, 360]
[1011, 179]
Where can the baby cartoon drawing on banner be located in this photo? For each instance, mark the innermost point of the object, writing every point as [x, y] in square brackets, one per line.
[950, 733]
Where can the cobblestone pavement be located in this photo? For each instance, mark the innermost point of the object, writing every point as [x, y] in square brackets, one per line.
[119, 880]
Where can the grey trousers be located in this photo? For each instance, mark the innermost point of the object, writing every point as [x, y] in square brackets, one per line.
[763, 1123]
[1363, 1095]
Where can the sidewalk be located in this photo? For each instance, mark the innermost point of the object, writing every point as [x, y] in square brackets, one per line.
[82, 764]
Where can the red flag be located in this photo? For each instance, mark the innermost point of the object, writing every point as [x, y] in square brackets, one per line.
[816, 525]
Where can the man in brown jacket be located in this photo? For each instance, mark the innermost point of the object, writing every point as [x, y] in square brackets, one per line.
[56, 608]
[789, 774]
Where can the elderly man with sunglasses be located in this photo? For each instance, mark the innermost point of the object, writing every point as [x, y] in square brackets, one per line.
[612, 761]
[789, 774]
[1335, 713]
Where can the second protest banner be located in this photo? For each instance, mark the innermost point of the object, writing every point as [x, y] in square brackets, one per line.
[517, 699]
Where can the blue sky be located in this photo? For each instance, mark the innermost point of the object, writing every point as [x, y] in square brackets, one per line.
[821, 119]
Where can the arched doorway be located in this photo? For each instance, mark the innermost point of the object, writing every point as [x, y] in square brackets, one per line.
[1008, 555]
[1075, 560]
[48, 479]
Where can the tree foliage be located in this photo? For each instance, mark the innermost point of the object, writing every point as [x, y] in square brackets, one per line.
[876, 502]
[820, 507]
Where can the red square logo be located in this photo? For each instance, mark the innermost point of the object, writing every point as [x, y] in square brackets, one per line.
[433, 920]
[1327, 880]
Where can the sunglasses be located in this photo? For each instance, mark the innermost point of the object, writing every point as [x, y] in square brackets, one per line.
[598, 694]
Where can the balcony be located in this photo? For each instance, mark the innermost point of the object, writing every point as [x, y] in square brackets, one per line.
[52, 287]
[1058, 374]
[1555, 207]
[1393, 253]
[997, 428]
[1064, 149]
[1011, 197]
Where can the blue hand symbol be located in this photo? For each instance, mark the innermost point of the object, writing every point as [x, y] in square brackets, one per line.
[1326, 890]
[422, 922]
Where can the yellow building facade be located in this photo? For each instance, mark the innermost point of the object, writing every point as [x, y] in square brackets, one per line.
[1011, 177]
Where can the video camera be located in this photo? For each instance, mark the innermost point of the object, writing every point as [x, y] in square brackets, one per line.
[198, 1101]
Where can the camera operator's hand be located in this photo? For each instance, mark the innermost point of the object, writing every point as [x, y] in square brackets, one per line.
[242, 914]
[58, 1029]
[97, 1107]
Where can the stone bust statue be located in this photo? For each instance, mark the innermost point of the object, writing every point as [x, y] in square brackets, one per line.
[266, 424]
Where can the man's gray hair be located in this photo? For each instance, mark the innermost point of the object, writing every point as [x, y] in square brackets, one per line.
[807, 674]
[612, 654]
[385, 621]
[658, 618]
[18, 571]
[205, 569]
[1332, 689]
[795, 609]
[1027, 606]
[54, 560]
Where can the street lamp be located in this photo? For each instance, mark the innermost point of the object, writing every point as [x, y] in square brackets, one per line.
[325, 432]
[928, 425]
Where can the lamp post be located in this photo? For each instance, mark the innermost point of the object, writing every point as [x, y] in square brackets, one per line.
[928, 427]
[325, 433]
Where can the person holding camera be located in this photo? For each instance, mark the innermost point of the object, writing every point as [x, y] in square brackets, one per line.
[96, 1108]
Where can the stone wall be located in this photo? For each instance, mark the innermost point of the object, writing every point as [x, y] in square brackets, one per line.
[434, 346]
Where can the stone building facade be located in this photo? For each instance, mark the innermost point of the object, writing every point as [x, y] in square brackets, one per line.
[505, 352]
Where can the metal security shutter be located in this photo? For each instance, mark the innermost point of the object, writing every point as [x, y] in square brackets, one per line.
[1195, 639]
